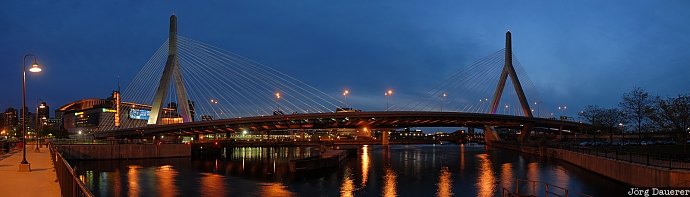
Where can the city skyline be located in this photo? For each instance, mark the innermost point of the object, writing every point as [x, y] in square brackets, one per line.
[572, 53]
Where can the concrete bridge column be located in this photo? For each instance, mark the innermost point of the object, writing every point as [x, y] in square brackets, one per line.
[384, 137]
[524, 133]
[490, 135]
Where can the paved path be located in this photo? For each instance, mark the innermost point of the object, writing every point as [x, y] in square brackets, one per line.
[41, 181]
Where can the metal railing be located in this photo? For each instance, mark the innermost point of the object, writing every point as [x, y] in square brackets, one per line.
[637, 158]
[537, 188]
[70, 184]
[661, 161]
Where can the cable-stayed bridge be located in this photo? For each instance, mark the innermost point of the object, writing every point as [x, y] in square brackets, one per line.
[189, 87]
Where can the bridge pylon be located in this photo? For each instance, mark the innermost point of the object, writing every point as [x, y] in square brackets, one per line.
[171, 70]
[490, 133]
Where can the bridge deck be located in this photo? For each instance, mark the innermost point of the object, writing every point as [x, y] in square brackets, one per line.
[371, 120]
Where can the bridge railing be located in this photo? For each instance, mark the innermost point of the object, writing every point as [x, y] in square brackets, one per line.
[70, 184]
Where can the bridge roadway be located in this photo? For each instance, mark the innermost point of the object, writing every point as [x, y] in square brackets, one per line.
[371, 120]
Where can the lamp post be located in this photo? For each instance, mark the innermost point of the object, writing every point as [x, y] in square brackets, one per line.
[562, 110]
[443, 98]
[25, 166]
[37, 130]
[345, 93]
[278, 102]
[388, 94]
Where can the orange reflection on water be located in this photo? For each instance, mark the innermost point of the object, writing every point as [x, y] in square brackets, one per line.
[365, 165]
[212, 185]
[445, 183]
[533, 171]
[166, 180]
[533, 174]
[133, 180]
[274, 189]
[117, 185]
[486, 181]
[348, 186]
[507, 175]
[462, 157]
[562, 178]
[389, 183]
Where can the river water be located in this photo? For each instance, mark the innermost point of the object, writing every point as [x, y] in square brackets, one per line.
[397, 170]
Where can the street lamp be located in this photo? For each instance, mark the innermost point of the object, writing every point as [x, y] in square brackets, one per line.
[278, 102]
[443, 98]
[562, 109]
[345, 93]
[388, 94]
[38, 126]
[25, 166]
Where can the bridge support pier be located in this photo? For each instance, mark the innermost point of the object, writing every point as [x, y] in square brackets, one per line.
[384, 137]
[524, 133]
[490, 135]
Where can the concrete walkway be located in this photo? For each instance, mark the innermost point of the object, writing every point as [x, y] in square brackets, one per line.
[41, 181]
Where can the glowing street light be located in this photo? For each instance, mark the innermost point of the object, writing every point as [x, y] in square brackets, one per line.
[562, 109]
[443, 98]
[25, 166]
[388, 94]
[345, 93]
[277, 102]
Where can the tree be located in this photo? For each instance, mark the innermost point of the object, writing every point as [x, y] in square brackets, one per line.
[607, 118]
[610, 118]
[637, 107]
[673, 114]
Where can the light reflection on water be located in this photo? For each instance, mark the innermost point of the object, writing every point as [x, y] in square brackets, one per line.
[365, 165]
[133, 180]
[166, 179]
[412, 170]
[486, 181]
[348, 186]
[445, 183]
[390, 188]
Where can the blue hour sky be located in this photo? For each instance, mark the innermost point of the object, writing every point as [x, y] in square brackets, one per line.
[576, 52]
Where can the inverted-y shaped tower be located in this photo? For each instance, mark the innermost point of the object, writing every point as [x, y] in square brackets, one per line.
[171, 70]
[509, 70]
[490, 133]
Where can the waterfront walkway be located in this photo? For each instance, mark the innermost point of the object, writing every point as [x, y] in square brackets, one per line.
[41, 181]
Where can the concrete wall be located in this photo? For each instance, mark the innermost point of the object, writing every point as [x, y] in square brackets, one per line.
[124, 151]
[631, 173]
[634, 174]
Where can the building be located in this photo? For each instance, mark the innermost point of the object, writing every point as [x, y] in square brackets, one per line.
[10, 121]
[95, 115]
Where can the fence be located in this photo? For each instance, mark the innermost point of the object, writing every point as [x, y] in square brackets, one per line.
[537, 188]
[637, 158]
[70, 185]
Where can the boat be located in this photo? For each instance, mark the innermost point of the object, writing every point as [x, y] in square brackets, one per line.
[327, 159]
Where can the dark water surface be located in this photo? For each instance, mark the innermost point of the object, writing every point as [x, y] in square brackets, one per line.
[399, 170]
